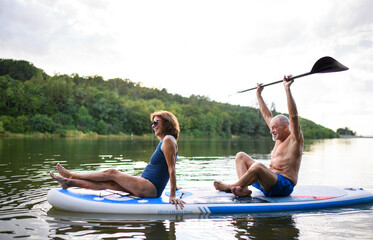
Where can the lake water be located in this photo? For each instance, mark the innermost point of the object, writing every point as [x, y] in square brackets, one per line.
[24, 183]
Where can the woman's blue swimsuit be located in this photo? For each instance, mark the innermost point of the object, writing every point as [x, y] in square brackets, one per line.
[157, 170]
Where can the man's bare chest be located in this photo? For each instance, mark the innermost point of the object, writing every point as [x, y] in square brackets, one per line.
[278, 151]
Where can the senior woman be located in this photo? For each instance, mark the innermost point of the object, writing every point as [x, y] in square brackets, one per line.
[153, 179]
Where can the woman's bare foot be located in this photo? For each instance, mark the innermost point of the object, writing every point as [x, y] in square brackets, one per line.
[219, 185]
[63, 171]
[241, 192]
[61, 180]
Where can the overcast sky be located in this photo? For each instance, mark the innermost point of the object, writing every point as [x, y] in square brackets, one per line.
[211, 48]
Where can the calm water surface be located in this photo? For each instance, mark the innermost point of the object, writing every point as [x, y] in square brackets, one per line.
[25, 181]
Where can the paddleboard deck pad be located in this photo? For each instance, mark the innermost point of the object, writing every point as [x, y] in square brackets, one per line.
[205, 201]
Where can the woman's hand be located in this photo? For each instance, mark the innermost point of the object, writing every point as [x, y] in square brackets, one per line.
[177, 201]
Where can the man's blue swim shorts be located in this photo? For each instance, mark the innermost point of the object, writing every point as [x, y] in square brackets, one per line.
[283, 187]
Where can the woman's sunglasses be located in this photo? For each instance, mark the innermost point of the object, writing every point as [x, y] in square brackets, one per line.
[155, 123]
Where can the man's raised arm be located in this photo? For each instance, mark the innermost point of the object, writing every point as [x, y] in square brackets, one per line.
[267, 115]
[293, 112]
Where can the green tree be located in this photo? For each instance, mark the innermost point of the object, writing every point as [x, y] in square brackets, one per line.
[41, 123]
[346, 132]
[17, 69]
[248, 123]
[21, 124]
[8, 123]
[14, 98]
[2, 129]
[4, 80]
[84, 120]
[101, 109]
[101, 127]
[38, 78]
[63, 119]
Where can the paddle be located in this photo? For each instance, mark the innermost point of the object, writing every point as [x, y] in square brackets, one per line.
[323, 65]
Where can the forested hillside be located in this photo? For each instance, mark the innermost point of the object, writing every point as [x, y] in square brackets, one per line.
[32, 101]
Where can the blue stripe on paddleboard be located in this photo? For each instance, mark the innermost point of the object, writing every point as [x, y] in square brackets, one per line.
[206, 210]
[289, 207]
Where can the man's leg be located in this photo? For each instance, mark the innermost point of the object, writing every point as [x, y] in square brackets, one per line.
[243, 163]
[257, 172]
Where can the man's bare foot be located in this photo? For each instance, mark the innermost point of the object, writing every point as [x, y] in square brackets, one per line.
[241, 192]
[61, 180]
[63, 171]
[219, 185]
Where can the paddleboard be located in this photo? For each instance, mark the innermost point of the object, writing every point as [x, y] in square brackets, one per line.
[205, 201]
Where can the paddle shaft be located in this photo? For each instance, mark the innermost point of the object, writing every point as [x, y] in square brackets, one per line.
[268, 84]
[323, 65]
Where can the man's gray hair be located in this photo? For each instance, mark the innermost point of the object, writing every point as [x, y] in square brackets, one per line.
[282, 120]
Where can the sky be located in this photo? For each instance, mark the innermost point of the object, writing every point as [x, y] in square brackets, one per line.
[211, 48]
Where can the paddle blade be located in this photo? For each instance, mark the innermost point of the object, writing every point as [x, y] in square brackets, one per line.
[327, 64]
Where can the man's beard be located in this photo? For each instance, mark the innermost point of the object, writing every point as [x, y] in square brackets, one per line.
[274, 137]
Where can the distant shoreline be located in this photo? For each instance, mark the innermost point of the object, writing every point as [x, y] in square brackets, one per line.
[349, 136]
[79, 134]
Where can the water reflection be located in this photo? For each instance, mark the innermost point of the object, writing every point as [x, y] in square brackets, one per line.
[265, 227]
[104, 226]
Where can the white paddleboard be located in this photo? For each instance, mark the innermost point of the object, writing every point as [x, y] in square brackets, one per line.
[205, 201]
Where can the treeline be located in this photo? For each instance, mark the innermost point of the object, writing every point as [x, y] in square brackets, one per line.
[32, 101]
[346, 132]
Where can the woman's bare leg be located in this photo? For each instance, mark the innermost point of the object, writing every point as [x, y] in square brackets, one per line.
[135, 185]
[93, 176]
[67, 182]
[100, 176]
[63, 171]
